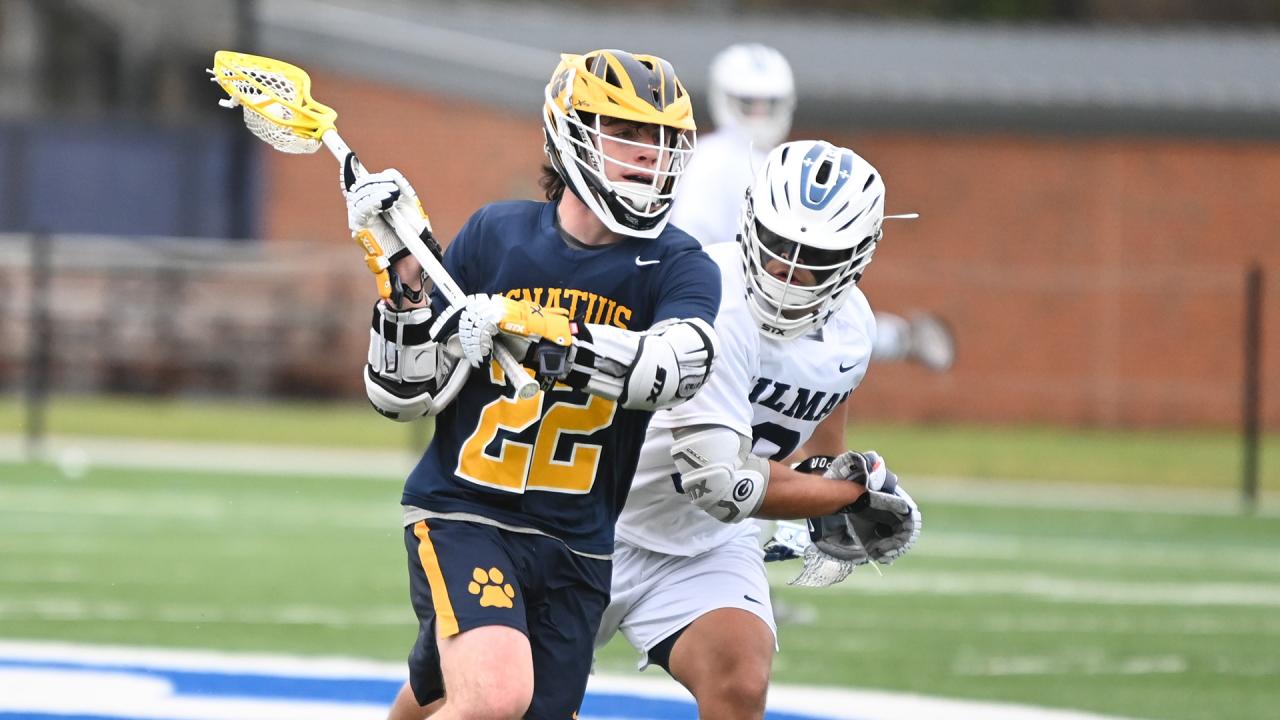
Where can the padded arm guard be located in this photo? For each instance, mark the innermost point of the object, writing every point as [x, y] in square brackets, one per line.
[718, 472]
[650, 370]
[408, 375]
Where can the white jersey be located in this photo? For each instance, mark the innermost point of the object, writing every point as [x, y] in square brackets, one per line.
[708, 204]
[772, 391]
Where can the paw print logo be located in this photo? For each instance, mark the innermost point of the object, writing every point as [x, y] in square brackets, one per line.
[489, 586]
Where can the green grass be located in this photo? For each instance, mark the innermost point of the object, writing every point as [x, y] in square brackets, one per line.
[1205, 459]
[1149, 615]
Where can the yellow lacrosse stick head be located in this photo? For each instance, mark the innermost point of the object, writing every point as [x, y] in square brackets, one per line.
[276, 98]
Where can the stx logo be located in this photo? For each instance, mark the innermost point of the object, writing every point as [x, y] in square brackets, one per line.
[659, 382]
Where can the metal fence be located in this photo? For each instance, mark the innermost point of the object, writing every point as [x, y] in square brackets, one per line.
[163, 317]
[1159, 347]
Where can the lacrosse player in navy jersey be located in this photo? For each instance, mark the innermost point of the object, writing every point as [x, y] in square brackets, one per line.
[509, 514]
[796, 334]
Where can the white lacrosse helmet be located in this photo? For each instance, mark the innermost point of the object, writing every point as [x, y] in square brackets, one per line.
[810, 225]
[635, 88]
[752, 90]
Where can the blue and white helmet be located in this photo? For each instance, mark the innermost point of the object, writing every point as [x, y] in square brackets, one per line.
[810, 225]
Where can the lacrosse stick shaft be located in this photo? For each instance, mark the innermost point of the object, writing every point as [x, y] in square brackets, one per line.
[525, 386]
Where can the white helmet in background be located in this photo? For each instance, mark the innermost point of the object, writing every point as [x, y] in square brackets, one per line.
[752, 90]
[810, 225]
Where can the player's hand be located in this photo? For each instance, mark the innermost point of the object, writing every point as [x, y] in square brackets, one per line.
[484, 316]
[788, 542]
[372, 195]
[881, 525]
[865, 468]
[930, 342]
[369, 199]
[887, 523]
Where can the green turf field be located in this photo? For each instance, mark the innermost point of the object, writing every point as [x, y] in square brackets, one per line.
[1152, 615]
[1023, 592]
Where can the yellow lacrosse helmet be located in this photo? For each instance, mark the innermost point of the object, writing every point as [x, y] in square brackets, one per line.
[636, 88]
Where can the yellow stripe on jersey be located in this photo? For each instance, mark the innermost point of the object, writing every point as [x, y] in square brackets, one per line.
[446, 621]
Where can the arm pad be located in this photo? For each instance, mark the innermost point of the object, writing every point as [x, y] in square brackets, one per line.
[718, 471]
[650, 370]
[408, 375]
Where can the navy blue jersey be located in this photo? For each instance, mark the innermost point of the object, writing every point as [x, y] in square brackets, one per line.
[560, 462]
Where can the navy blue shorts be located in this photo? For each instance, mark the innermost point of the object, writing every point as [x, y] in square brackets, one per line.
[464, 575]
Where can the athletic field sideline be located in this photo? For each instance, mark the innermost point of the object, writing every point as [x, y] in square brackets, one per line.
[1108, 458]
[1103, 572]
[1025, 593]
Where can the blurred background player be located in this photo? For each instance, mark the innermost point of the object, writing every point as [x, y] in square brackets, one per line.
[509, 514]
[752, 95]
[689, 585]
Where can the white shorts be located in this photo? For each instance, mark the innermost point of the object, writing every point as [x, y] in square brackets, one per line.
[655, 594]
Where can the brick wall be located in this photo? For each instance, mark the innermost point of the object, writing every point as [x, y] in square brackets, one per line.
[1090, 281]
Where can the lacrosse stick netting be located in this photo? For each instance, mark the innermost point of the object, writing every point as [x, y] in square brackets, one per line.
[279, 110]
[276, 98]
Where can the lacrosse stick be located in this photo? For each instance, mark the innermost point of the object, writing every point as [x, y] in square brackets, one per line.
[279, 110]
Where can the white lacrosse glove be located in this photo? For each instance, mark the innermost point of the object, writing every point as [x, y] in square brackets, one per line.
[932, 343]
[925, 338]
[789, 541]
[880, 526]
[477, 324]
[369, 198]
[409, 375]
[522, 324]
[867, 469]
[889, 525]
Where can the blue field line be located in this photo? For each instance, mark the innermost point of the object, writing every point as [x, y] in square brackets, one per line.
[242, 685]
[192, 683]
[29, 716]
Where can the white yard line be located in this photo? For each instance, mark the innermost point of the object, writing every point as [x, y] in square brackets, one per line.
[78, 454]
[1053, 588]
[1097, 552]
[107, 684]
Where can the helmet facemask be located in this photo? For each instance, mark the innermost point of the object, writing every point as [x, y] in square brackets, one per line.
[644, 193]
[814, 281]
[594, 152]
[764, 120]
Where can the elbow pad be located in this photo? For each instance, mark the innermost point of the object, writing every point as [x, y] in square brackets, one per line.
[650, 370]
[408, 375]
[718, 472]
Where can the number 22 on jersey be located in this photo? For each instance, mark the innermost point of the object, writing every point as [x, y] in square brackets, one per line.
[495, 457]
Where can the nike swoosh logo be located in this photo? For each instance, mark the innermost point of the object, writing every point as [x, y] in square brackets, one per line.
[847, 369]
[640, 262]
[748, 597]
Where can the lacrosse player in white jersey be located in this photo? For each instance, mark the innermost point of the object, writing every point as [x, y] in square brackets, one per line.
[753, 98]
[689, 589]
